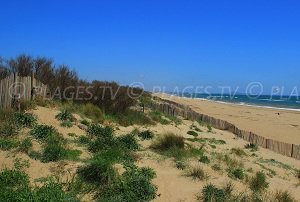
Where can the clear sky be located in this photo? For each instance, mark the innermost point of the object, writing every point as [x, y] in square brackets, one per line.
[168, 43]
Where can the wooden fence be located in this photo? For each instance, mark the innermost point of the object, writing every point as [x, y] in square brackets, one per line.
[15, 88]
[175, 109]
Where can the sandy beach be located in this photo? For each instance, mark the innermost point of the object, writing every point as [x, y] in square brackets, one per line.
[277, 124]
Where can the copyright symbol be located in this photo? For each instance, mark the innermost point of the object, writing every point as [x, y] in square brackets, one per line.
[17, 88]
[254, 90]
[131, 90]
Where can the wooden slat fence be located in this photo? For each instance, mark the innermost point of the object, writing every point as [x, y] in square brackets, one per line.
[22, 88]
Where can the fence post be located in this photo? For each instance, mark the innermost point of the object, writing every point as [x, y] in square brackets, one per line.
[32, 90]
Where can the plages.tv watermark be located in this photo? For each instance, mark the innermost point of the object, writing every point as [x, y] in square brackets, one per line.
[135, 90]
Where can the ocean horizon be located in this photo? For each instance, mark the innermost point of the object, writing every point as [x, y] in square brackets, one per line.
[263, 101]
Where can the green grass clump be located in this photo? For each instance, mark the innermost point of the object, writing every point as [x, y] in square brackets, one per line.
[8, 144]
[65, 115]
[209, 128]
[25, 145]
[83, 140]
[259, 182]
[168, 141]
[252, 147]
[204, 159]
[85, 122]
[134, 185]
[9, 129]
[25, 119]
[192, 133]
[197, 173]
[236, 173]
[42, 131]
[129, 118]
[239, 152]
[209, 140]
[53, 151]
[212, 193]
[146, 135]
[99, 131]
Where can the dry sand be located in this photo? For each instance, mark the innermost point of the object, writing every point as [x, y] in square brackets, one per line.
[262, 121]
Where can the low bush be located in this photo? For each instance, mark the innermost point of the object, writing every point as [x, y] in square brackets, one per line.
[197, 173]
[192, 133]
[128, 142]
[8, 144]
[99, 131]
[100, 169]
[236, 173]
[134, 185]
[42, 131]
[25, 119]
[204, 159]
[168, 141]
[8, 129]
[259, 182]
[85, 122]
[146, 135]
[53, 151]
[252, 147]
[84, 140]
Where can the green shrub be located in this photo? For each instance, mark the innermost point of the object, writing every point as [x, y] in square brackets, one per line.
[146, 135]
[252, 147]
[168, 141]
[65, 115]
[134, 185]
[239, 152]
[211, 193]
[258, 182]
[8, 144]
[53, 151]
[204, 159]
[42, 131]
[25, 119]
[197, 173]
[92, 112]
[192, 133]
[132, 117]
[128, 142]
[71, 154]
[25, 145]
[237, 173]
[209, 128]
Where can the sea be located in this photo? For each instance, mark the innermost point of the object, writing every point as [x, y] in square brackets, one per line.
[262, 101]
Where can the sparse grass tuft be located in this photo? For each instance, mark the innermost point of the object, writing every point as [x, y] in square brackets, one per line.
[283, 196]
[92, 112]
[25, 145]
[212, 193]
[65, 115]
[42, 131]
[8, 144]
[25, 119]
[66, 124]
[128, 142]
[239, 152]
[197, 173]
[181, 165]
[216, 167]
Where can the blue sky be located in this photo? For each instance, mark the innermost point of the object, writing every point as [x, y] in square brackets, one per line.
[167, 43]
